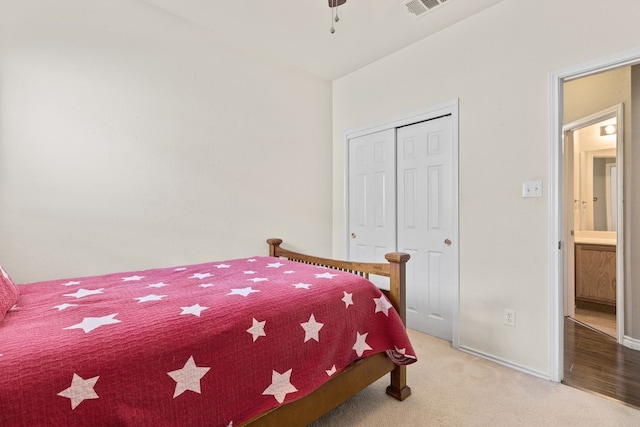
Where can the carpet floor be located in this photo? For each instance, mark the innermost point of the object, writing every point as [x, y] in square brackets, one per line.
[453, 388]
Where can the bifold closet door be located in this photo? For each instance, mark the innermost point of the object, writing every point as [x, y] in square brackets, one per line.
[372, 196]
[425, 223]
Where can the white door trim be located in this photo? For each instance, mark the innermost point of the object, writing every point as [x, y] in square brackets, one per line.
[448, 108]
[556, 262]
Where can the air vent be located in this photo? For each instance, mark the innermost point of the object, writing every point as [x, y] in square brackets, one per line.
[420, 7]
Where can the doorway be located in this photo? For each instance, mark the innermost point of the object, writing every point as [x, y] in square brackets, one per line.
[593, 148]
[557, 260]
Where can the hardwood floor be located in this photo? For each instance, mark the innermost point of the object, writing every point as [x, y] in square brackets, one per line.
[595, 362]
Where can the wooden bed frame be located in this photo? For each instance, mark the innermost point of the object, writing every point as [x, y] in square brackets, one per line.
[361, 373]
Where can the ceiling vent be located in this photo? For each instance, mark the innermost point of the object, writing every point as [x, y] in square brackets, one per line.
[420, 7]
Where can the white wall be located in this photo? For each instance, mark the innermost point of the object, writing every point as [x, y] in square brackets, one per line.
[130, 138]
[497, 63]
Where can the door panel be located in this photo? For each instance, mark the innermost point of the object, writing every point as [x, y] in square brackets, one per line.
[425, 222]
[372, 193]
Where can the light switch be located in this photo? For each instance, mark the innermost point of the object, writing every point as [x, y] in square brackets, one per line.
[532, 189]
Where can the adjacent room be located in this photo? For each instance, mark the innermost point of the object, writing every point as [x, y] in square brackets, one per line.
[490, 140]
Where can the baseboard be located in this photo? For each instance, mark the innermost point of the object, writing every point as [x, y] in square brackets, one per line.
[631, 343]
[506, 363]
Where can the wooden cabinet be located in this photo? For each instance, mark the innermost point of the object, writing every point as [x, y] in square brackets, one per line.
[595, 276]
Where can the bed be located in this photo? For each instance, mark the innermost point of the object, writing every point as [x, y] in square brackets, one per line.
[272, 340]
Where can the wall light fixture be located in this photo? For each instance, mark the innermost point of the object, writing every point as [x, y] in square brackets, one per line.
[608, 130]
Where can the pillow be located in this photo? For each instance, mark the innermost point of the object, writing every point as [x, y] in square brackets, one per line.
[8, 293]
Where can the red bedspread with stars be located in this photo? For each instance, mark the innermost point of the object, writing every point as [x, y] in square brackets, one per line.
[207, 344]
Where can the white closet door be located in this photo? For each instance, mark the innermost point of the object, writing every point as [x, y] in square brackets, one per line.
[372, 195]
[425, 223]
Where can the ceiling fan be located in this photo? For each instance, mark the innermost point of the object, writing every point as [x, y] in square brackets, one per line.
[333, 4]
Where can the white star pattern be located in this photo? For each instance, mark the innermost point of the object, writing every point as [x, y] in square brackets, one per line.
[331, 371]
[249, 272]
[347, 299]
[80, 390]
[88, 324]
[180, 269]
[302, 285]
[132, 278]
[326, 275]
[402, 351]
[275, 265]
[258, 279]
[65, 306]
[157, 285]
[361, 344]
[194, 309]
[382, 305]
[312, 329]
[71, 283]
[222, 266]
[80, 293]
[188, 378]
[150, 297]
[257, 329]
[206, 285]
[244, 291]
[200, 276]
[251, 260]
[280, 386]
[288, 272]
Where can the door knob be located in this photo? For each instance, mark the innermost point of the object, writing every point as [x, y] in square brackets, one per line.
[447, 242]
[353, 235]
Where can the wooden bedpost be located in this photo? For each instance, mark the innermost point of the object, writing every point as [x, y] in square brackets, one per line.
[397, 292]
[273, 245]
[397, 279]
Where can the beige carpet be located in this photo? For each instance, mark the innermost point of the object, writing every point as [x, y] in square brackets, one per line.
[452, 388]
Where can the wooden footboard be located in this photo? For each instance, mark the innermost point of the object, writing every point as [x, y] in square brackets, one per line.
[361, 373]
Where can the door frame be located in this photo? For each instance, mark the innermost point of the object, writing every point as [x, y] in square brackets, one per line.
[556, 210]
[446, 109]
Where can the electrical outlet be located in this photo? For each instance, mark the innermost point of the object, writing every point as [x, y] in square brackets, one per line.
[509, 317]
[532, 188]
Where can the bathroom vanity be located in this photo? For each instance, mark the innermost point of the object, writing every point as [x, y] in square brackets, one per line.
[595, 265]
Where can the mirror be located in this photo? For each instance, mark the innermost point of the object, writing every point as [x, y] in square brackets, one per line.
[604, 193]
[596, 178]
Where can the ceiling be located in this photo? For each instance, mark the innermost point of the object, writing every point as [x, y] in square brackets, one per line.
[297, 32]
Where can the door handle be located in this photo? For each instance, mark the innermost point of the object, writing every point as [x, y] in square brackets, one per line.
[353, 235]
[447, 242]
